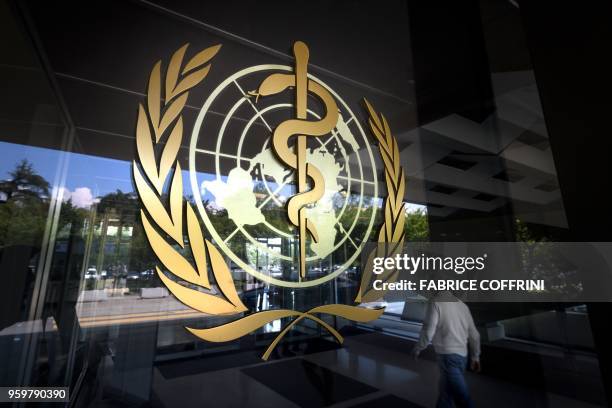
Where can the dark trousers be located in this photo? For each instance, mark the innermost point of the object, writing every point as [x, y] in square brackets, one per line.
[453, 389]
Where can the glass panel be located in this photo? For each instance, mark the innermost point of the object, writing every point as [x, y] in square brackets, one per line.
[81, 302]
[32, 137]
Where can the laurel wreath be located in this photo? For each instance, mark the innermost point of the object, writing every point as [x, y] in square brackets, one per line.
[187, 260]
[391, 234]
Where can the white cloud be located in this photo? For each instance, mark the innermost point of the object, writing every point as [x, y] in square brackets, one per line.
[64, 194]
[80, 197]
[412, 208]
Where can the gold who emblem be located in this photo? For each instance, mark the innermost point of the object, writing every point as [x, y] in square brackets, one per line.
[159, 133]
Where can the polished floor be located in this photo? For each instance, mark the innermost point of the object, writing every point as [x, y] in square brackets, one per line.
[370, 370]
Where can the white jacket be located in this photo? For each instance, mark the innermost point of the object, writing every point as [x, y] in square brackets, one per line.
[449, 327]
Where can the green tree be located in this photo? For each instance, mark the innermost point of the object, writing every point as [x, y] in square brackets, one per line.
[24, 210]
[25, 182]
[120, 205]
[120, 209]
[416, 227]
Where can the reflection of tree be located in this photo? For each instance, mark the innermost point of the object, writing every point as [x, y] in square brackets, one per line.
[525, 233]
[122, 210]
[24, 205]
[25, 182]
[123, 206]
[357, 211]
[417, 227]
[24, 211]
[542, 260]
[141, 256]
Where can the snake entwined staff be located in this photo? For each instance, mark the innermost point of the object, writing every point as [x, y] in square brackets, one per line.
[301, 128]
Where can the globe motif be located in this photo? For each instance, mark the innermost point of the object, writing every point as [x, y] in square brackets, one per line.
[249, 186]
[238, 197]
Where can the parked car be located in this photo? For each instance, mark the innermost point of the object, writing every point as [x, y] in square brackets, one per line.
[133, 275]
[91, 273]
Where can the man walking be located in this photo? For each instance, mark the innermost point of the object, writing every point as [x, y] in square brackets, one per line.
[450, 328]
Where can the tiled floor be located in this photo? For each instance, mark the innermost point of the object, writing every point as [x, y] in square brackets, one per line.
[360, 374]
[307, 384]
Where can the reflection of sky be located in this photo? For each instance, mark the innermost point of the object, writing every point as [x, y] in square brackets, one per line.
[98, 174]
[410, 207]
[43, 160]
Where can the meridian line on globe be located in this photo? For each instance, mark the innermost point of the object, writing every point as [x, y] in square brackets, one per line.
[230, 236]
[367, 176]
[348, 236]
[320, 250]
[227, 155]
[344, 131]
[248, 99]
[271, 163]
[247, 159]
[361, 181]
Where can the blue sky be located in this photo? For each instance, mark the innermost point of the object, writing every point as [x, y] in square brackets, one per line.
[98, 175]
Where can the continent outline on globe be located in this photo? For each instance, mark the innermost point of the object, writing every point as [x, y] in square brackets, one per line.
[235, 200]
